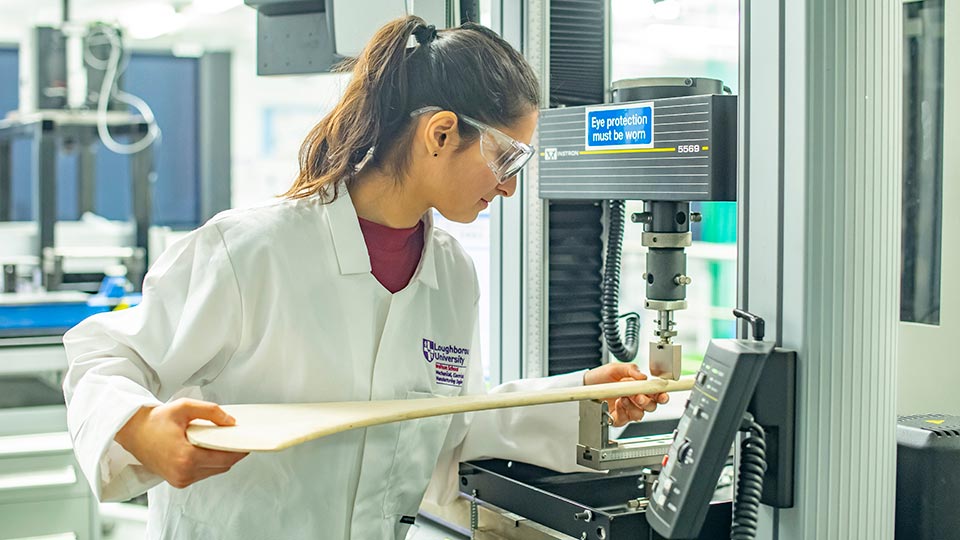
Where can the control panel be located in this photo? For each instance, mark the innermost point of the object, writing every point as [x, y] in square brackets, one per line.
[723, 389]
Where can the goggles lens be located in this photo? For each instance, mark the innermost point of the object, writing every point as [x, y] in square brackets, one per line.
[504, 156]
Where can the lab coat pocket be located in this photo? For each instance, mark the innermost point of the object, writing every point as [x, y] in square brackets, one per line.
[418, 447]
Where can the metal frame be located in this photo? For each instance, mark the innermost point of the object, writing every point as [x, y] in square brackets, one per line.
[591, 506]
[761, 157]
[48, 132]
[503, 261]
[532, 348]
[507, 234]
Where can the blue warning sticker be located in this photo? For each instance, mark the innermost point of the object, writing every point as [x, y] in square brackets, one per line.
[619, 126]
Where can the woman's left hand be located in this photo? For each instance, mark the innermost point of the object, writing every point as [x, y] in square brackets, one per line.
[629, 408]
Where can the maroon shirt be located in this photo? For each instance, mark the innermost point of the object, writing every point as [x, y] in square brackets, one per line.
[394, 253]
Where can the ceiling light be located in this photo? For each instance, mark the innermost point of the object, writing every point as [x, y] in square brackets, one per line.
[214, 7]
[151, 20]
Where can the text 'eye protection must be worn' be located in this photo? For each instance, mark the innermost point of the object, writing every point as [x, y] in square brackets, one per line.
[505, 155]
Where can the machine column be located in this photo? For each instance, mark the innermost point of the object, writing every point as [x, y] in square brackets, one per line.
[142, 175]
[820, 236]
[86, 172]
[45, 191]
[6, 180]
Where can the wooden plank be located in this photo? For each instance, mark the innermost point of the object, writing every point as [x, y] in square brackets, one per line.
[273, 427]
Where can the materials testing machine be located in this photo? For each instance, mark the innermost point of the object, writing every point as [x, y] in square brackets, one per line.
[667, 142]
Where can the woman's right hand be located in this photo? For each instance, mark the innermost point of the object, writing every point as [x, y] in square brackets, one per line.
[157, 437]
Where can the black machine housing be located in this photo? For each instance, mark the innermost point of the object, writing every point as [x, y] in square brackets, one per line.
[928, 477]
[299, 36]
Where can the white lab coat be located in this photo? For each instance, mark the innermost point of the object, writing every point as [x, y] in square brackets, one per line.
[277, 304]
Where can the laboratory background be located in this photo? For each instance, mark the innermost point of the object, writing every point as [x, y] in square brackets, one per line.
[798, 171]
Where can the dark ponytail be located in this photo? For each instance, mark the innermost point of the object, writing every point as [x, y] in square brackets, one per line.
[469, 70]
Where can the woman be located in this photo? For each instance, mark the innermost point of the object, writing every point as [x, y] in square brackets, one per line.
[342, 290]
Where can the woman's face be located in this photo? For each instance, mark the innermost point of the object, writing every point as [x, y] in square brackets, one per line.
[461, 183]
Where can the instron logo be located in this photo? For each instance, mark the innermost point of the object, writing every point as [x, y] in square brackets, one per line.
[549, 154]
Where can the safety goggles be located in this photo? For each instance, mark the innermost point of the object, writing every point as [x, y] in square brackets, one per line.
[505, 155]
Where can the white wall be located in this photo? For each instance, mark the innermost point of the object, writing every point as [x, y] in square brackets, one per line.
[270, 118]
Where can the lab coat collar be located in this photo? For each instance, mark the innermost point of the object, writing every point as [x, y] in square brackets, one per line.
[352, 254]
[427, 272]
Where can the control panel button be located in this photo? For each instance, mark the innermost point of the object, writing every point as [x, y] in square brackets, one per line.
[701, 378]
[659, 496]
[667, 485]
[685, 452]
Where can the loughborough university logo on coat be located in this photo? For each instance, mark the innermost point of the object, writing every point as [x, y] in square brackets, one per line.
[449, 362]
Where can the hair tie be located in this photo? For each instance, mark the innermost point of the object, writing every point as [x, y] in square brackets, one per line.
[425, 34]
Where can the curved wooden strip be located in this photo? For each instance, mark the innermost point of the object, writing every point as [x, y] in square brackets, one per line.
[273, 427]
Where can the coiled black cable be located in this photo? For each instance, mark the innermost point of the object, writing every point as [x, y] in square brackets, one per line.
[625, 350]
[753, 465]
